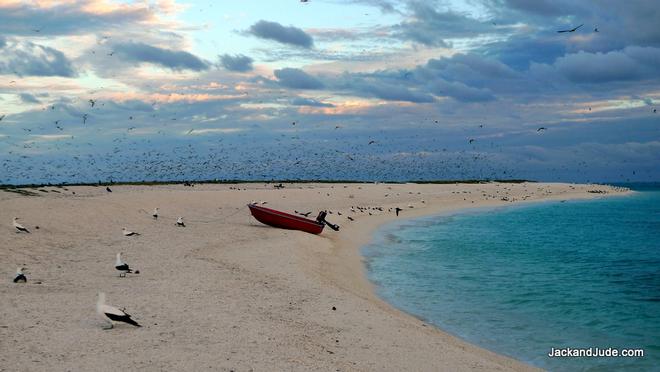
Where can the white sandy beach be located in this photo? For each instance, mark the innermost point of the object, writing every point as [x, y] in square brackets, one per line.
[225, 292]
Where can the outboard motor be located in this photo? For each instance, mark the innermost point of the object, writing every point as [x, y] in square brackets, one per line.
[321, 219]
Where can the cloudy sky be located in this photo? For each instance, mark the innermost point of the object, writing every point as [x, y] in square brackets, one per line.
[334, 89]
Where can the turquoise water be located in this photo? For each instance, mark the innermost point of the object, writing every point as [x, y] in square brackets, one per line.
[520, 280]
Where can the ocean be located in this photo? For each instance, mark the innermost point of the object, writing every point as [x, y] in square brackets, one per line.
[521, 280]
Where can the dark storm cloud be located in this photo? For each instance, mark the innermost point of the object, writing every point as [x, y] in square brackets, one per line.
[460, 91]
[173, 59]
[632, 63]
[387, 91]
[431, 27]
[297, 79]
[238, 63]
[25, 58]
[286, 35]
[519, 51]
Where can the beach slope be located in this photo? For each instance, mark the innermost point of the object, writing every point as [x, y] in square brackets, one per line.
[224, 292]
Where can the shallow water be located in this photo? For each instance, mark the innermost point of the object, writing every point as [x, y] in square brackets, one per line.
[521, 280]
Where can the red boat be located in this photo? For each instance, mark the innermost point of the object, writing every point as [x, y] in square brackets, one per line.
[283, 220]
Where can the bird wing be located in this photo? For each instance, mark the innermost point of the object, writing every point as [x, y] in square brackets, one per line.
[111, 310]
[123, 267]
[577, 27]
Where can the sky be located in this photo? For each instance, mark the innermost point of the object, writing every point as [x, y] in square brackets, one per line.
[374, 90]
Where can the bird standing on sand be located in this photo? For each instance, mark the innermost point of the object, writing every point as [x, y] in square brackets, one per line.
[122, 266]
[179, 222]
[397, 210]
[155, 214]
[20, 277]
[19, 227]
[128, 233]
[107, 189]
[113, 314]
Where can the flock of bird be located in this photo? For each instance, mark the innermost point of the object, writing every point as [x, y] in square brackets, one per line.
[109, 313]
[310, 151]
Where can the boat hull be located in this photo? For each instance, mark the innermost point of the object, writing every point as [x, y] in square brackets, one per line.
[272, 217]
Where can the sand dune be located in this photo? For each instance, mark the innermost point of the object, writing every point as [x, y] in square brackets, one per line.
[225, 293]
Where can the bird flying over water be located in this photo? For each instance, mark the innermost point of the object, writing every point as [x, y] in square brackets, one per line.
[122, 266]
[20, 277]
[571, 30]
[18, 226]
[113, 314]
[541, 128]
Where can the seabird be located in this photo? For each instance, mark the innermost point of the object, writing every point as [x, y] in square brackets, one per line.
[19, 227]
[397, 210]
[571, 30]
[128, 233]
[541, 128]
[179, 222]
[155, 214]
[20, 277]
[113, 314]
[108, 189]
[122, 266]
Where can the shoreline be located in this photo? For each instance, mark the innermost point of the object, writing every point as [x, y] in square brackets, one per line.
[452, 212]
[227, 292]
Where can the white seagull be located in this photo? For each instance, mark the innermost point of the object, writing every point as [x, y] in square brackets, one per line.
[113, 314]
[128, 233]
[19, 227]
[20, 277]
[122, 266]
[155, 214]
[179, 222]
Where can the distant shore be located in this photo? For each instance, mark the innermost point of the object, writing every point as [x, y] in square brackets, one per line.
[226, 292]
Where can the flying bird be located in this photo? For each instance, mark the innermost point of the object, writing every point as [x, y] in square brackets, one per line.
[571, 30]
[541, 128]
[128, 233]
[84, 118]
[20, 277]
[2, 117]
[92, 102]
[113, 314]
[471, 140]
[372, 141]
[179, 222]
[155, 214]
[19, 227]
[122, 266]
